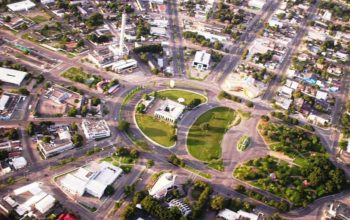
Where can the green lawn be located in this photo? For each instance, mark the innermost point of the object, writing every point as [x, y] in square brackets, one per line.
[40, 19]
[79, 75]
[175, 94]
[157, 130]
[204, 142]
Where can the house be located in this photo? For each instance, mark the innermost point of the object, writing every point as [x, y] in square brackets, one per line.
[12, 76]
[275, 22]
[169, 110]
[201, 60]
[286, 91]
[165, 182]
[158, 31]
[94, 129]
[256, 3]
[283, 102]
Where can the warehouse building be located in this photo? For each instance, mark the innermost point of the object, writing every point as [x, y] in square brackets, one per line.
[12, 76]
[21, 6]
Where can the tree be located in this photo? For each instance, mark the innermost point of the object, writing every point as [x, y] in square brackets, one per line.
[249, 104]
[23, 91]
[149, 163]
[95, 101]
[77, 140]
[218, 203]
[343, 145]
[30, 128]
[134, 153]
[123, 125]
[140, 108]
[194, 103]
[94, 20]
[139, 196]
[46, 139]
[13, 134]
[72, 112]
[129, 212]
[109, 190]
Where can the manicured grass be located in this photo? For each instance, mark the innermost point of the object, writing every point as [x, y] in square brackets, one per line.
[175, 94]
[243, 143]
[217, 165]
[40, 19]
[204, 142]
[193, 170]
[159, 131]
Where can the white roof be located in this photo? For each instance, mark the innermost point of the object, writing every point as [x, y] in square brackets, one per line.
[73, 184]
[320, 95]
[33, 188]
[12, 76]
[108, 174]
[96, 188]
[292, 84]
[19, 162]
[228, 214]
[122, 64]
[202, 57]
[3, 101]
[158, 31]
[21, 6]
[45, 204]
[286, 91]
[26, 206]
[164, 182]
[284, 102]
[250, 216]
[170, 109]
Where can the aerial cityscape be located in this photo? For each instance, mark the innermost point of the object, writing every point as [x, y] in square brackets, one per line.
[175, 109]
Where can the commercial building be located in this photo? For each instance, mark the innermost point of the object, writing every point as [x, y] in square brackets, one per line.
[201, 60]
[21, 6]
[94, 129]
[12, 76]
[18, 162]
[92, 179]
[45, 2]
[165, 182]
[124, 65]
[58, 145]
[25, 200]
[169, 110]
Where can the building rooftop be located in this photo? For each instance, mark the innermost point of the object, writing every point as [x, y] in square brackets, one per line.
[170, 109]
[12, 76]
[20, 6]
[164, 182]
[202, 57]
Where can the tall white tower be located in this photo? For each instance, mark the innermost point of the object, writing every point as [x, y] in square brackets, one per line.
[122, 34]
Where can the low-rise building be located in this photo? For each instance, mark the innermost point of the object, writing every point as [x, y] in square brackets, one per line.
[12, 76]
[165, 182]
[92, 179]
[158, 31]
[124, 65]
[169, 110]
[21, 6]
[227, 214]
[8, 105]
[58, 145]
[95, 129]
[201, 60]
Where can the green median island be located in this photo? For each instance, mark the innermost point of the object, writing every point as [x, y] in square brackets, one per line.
[188, 96]
[301, 170]
[206, 134]
[166, 103]
[157, 130]
[243, 143]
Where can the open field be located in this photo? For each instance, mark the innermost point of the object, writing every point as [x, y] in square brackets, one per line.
[205, 136]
